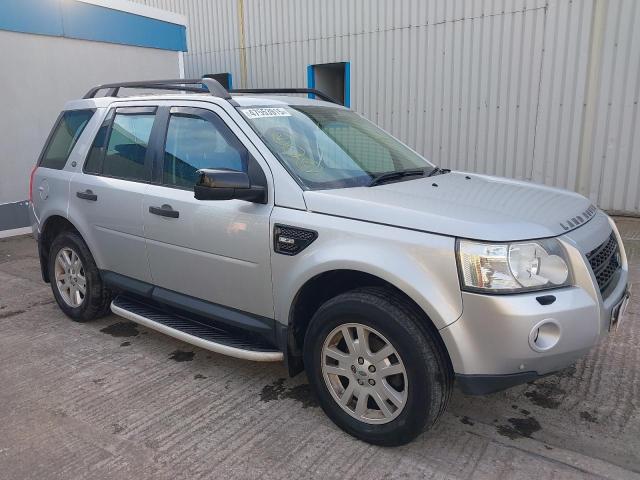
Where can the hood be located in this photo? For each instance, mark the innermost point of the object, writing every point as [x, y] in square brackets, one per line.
[463, 205]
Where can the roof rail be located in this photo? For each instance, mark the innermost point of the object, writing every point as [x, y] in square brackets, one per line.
[204, 85]
[198, 85]
[311, 91]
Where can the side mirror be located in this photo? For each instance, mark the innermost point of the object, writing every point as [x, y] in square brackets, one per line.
[227, 185]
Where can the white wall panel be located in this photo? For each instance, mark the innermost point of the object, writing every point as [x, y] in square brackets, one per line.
[615, 147]
[562, 94]
[71, 67]
[545, 90]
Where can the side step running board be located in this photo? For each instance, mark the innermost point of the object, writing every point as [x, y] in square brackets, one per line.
[193, 332]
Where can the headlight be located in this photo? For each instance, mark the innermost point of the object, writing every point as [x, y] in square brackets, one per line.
[512, 267]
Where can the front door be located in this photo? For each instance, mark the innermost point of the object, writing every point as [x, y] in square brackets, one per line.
[218, 251]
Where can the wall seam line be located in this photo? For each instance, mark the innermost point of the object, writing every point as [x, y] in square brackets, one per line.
[535, 122]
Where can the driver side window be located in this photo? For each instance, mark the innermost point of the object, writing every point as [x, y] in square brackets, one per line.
[194, 142]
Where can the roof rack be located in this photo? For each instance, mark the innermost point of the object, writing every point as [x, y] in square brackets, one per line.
[182, 84]
[311, 91]
[198, 85]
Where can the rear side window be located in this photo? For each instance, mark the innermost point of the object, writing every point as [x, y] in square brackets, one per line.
[120, 147]
[127, 147]
[64, 137]
[93, 164]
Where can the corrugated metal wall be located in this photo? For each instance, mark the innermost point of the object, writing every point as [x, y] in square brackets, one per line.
[531, 89]
[613, 145]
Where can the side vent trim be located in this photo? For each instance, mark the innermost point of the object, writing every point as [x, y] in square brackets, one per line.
[288, 240]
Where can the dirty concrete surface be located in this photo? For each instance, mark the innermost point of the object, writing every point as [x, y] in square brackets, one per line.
[110, 399]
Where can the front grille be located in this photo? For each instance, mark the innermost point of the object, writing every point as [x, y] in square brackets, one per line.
[605, 262]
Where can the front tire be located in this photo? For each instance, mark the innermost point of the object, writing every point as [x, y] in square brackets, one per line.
[378, 371]
[75, 279]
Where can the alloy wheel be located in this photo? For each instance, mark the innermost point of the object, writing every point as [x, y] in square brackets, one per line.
[364, 373]
[70, 277]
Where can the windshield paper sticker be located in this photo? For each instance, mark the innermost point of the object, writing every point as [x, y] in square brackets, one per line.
[265, 112]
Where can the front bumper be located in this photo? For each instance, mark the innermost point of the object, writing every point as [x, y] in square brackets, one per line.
[495, 351]
[503, 340]
[485, 384]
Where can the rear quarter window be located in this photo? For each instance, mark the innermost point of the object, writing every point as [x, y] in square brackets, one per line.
[63, 138]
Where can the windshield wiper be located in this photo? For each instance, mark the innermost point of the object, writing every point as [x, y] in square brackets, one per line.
[383, 177]
[438, 170]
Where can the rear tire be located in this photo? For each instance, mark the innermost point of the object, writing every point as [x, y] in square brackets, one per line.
[75, 279]
[395, 408]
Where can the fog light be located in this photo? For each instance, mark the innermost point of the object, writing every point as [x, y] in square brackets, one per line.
[544, 335]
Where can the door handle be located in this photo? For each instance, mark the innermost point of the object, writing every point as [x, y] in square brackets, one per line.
[87, 195]
[165, 211]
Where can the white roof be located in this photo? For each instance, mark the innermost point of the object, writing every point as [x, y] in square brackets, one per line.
[140, 9]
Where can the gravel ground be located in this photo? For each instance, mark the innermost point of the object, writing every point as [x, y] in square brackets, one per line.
[109, 399]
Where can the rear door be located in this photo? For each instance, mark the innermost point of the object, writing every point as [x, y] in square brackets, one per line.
[106, 198]
[218, 251]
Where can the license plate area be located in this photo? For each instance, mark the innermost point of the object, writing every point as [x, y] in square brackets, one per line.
[618, 311]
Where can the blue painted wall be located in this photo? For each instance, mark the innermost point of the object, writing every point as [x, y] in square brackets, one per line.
[347, 84]
[73, 19]
[311, 80]
[31, 16]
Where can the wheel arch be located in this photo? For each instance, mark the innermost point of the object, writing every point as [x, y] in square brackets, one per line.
[328, 284]
[51, 227]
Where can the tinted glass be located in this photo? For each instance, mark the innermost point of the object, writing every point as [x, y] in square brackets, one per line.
[193, 143]
[93, 164]
[64, 138]
[329, 147]
[127, 146]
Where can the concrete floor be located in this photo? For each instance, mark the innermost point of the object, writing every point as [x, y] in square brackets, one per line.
[109, 399]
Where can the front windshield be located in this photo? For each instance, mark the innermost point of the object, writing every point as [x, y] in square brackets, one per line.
[327, 147]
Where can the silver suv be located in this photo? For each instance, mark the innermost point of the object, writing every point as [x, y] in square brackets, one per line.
[269, 226]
